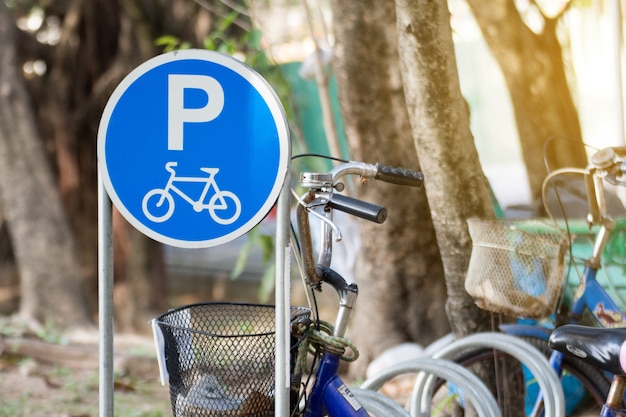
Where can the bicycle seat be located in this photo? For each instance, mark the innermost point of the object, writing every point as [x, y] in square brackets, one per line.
[210, 170]
[603, 348]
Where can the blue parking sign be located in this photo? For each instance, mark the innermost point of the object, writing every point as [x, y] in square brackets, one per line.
[193, 148]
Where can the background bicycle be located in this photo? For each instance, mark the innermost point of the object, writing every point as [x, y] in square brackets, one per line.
[517, 269]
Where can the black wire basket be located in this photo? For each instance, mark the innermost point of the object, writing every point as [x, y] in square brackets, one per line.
[220, 358]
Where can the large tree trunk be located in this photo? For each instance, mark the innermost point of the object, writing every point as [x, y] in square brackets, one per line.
[399, 271]
[532, 65]
[101, 41]
[455, 184]
[52, 287]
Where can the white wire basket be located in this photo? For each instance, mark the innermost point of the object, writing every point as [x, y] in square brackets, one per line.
[516, 267]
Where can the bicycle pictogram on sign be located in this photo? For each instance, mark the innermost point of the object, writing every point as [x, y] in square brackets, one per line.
[223, 206]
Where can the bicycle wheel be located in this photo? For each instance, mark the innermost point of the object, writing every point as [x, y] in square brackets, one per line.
[580, 380]
[224, 207]
[469, 389]
[158, 205]
[585, 387]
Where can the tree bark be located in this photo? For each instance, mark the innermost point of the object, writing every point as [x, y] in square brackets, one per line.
[455, 184]
[399, 272]
[52, 287]
[534, 71]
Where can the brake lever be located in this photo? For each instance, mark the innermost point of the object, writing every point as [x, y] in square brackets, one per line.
[320, 205]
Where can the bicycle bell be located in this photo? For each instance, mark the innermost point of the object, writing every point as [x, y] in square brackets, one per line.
[318, 180]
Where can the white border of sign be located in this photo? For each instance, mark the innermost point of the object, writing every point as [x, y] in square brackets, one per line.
[262, 87]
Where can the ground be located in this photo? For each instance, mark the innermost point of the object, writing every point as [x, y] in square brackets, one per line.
[35, 390]
[32, 387]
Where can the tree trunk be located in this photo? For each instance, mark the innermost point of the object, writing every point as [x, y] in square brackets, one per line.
[399, 272]
[52, 287]
[455, 184]
[532, 65]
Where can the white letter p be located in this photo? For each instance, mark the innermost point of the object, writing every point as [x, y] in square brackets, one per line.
[178, 115]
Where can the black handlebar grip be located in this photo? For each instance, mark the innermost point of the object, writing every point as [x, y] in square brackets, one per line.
[362, 209]
[399, 176]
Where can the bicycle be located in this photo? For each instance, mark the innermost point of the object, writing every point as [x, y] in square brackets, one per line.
[602, 348]
[606, 165]
[217, 356]
[327, 394]
[223, 206]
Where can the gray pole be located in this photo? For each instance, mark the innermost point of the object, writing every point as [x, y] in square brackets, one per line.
[282, 288]
[105, 300]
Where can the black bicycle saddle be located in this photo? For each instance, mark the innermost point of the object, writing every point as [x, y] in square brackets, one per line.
[603, 348]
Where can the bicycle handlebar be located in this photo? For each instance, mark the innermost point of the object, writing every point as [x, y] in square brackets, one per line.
[393, 175]
[607, 164]
[368, 211]
[362, 209]
[322, 198]
[399, 176]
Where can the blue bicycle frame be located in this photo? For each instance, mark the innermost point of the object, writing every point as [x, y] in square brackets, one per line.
[589, 295]
[612, 412]
[330, 395]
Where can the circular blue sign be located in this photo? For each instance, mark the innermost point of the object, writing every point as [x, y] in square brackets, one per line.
[193, 148]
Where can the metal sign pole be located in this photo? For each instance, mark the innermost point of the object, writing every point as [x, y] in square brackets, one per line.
[105, 301]
[282, 292]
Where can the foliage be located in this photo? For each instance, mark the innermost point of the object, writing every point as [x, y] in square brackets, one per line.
[171, 43]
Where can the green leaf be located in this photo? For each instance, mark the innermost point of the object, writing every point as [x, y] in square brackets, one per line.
[266, 244]
[227, 22]
[242, 259]
[166, 40]
[209, 43]
[267, 283]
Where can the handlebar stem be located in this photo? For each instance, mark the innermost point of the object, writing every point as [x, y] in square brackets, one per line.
[353, 168]
[304, 227]
[600, 197]
[602, 238]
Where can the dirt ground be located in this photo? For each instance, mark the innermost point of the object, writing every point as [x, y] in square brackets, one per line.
[43, 386]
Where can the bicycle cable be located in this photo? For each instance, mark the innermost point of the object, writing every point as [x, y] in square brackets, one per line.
[319, 155]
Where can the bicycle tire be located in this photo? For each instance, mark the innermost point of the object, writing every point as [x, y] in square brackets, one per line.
[378, 404]
[593, 380]
[475, 391]
[215, 210]
[165, 213]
